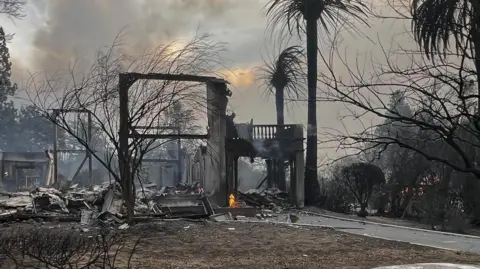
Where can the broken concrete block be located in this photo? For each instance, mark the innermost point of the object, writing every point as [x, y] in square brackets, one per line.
[222, 217]
[86, 217]
[291, 218]
[124, 226]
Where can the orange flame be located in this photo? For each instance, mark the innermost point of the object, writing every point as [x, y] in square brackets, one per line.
[231, 201]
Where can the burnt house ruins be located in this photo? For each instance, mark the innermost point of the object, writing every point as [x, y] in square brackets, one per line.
[20, 170]
[216, 165]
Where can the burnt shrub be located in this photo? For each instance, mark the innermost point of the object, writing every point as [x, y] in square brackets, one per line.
[55, 248]
[337, 197]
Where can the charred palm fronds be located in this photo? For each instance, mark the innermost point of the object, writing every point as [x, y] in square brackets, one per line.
[435, 23]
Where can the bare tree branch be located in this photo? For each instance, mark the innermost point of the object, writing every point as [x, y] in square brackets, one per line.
[443, 127]
[14, 9]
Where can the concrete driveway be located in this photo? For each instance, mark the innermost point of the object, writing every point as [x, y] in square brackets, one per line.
[419, 237]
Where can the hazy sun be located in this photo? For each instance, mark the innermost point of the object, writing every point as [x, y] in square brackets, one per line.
[240, 77]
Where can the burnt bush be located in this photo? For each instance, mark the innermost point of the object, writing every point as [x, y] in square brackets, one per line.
[337, 197]
[41, 248]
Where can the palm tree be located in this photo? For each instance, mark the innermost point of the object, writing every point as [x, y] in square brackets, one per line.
[436, 22]
[284, 77]
[305, 17]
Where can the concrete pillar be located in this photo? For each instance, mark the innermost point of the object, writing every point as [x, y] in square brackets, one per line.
[215, 170]
[297, 184]
[280, 167]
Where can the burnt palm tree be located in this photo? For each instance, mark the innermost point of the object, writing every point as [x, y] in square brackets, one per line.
[435, 23]
[307, 17]
[284, 77]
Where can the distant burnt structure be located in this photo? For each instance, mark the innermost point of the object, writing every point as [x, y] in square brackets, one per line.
[24, 170]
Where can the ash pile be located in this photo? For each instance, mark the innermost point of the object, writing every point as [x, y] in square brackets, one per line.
[103, 203]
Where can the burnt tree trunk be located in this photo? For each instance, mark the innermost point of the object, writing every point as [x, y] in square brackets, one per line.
[312, 187]
[280, 163]
[280, 105]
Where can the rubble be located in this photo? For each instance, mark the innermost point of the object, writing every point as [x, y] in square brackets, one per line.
[272, 199]
[103, 203]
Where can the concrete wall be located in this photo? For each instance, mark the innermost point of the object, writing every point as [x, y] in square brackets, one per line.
[297, 186]
[215, 172]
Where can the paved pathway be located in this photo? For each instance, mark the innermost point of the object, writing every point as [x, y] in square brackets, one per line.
[427, 238]
[430, 266]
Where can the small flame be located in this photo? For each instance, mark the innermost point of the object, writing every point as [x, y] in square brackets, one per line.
[231, 201]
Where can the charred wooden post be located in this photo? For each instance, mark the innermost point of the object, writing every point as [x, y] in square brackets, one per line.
[89, 153]
[125, 81]
[270, 173]
[232, 173]
[179, 157]
[235, 167]
[55, 150]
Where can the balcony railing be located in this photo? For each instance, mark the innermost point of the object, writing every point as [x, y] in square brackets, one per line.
[264, 131]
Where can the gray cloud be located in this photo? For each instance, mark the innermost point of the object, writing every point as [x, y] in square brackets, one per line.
[75, 28]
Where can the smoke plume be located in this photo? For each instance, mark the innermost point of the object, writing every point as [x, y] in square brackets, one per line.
[77, 29]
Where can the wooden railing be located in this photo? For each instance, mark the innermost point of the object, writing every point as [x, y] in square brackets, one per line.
[271, 131]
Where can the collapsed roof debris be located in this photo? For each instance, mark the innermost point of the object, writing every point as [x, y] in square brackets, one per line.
[271, 198]
[104, 204]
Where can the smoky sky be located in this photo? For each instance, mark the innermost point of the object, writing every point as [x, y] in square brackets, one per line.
[67, 29]
[73, 29]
